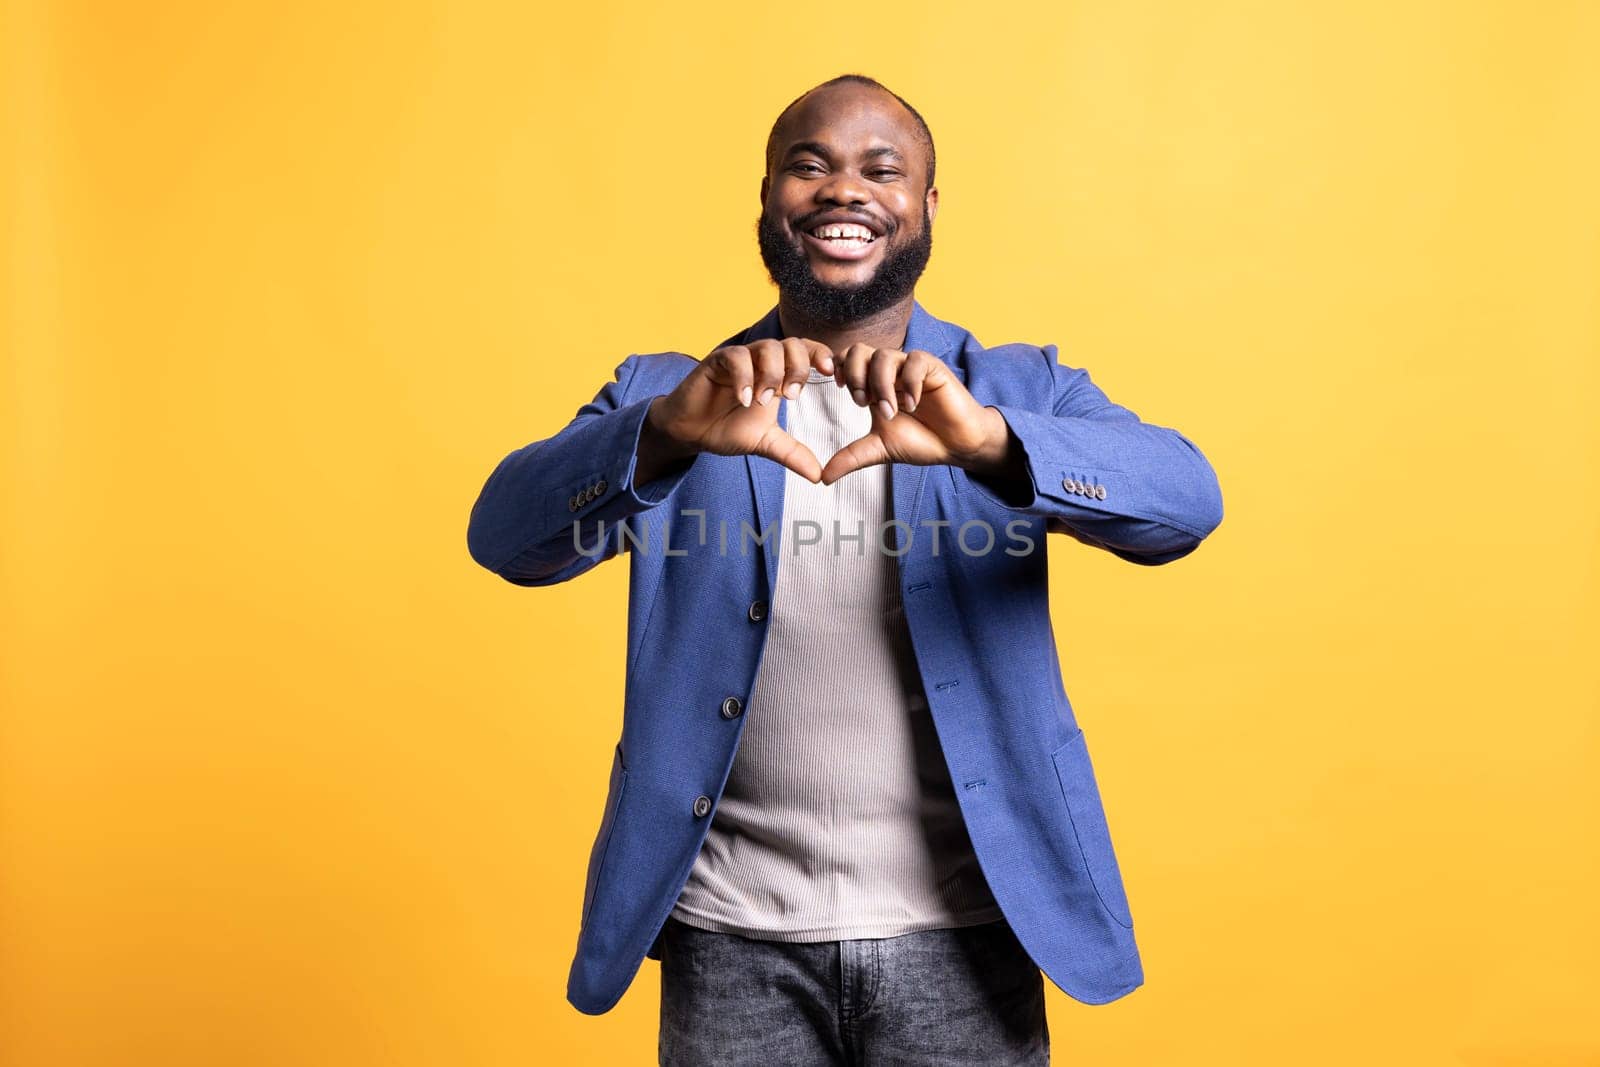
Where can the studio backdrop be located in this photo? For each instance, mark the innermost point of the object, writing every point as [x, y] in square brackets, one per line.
[286, 778]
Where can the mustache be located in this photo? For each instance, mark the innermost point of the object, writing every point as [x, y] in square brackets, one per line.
[886, 227]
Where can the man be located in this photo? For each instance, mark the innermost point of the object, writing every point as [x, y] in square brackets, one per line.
[850, 812]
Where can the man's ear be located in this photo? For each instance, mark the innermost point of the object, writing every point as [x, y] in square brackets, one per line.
[764, 187]
[933, 203]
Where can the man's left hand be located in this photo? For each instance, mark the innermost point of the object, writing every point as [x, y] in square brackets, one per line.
[921, 414]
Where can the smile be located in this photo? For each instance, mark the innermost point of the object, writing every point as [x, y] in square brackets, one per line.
[842, 240]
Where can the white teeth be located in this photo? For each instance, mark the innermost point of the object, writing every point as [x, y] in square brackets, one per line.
[846, 230]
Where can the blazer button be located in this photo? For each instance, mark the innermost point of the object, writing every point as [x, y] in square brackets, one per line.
[758, 611]
[572, 503]
[1099, 492]
[599, 487]
[731, 708]
[702, 805]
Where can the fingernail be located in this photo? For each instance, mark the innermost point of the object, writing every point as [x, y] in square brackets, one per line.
[791, 390]
[766, 395]
[744, 396]
[906, 402]
[860, 396]
[887, 409]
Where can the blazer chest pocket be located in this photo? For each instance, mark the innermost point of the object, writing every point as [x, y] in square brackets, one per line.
[602, 840]
[1087, 811]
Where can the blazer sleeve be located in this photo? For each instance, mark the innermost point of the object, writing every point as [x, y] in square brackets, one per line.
[556, 508]
[1099, 473]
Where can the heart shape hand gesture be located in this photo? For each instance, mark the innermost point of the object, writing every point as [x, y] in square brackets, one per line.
[921, 413]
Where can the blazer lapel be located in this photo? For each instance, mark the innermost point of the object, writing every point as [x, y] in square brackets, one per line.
[929, 335]
[766, 481]
[766, 476]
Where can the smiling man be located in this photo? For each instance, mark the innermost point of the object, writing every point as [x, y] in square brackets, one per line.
[851, 811]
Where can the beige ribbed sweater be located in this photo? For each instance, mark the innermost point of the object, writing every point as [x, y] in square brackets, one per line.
[839, 819]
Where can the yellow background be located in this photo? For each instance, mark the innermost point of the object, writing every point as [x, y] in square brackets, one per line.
[285, 778]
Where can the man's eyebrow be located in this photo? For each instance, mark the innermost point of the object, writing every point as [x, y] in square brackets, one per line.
[817, 148]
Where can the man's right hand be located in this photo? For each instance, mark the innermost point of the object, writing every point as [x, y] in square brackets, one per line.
[728, 405]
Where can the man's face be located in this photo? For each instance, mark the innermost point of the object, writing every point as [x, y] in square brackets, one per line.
[846, 224]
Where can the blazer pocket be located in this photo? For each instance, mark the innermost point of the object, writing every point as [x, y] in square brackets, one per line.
[602, 840]
[1087, 811]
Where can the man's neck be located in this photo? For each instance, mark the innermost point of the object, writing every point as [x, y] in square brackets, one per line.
[886, 329]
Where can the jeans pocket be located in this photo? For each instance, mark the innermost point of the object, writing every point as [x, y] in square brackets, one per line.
[1087, 812]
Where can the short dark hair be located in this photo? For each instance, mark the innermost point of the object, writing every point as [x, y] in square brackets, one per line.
[854, 79]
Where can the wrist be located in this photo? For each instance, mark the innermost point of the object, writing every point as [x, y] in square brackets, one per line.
[658, 438]
[991, 456]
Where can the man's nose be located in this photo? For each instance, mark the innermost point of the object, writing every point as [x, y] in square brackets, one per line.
[842, 187]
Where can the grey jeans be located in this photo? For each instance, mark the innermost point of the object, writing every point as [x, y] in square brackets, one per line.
[966, 995]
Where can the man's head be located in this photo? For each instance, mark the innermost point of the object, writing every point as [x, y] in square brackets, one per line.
[848, 201]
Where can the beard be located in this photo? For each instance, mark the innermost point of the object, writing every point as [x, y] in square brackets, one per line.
[894, 279]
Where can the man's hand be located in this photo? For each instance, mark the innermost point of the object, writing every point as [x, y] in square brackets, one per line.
[728, 406]
[921, 414]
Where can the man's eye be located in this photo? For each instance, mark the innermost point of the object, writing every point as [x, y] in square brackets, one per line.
[885, 173]
[802, 168]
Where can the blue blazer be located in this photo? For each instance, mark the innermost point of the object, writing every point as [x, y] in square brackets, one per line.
[701, 578]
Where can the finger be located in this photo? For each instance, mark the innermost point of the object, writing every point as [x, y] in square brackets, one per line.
[820, 355]
[730, 366]
[854, 374]
[913, 373]
[768, 358]
[881, 373]
[862, 452]
[777, 445]
[796, 365]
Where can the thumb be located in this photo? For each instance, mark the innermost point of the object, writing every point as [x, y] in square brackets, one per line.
[862, 452]
[777, 445]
